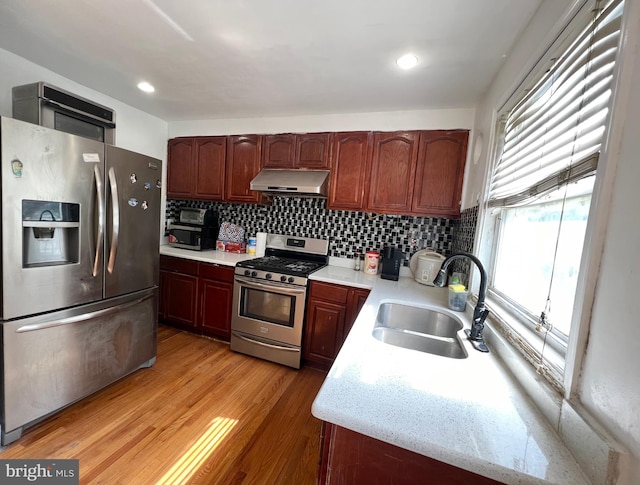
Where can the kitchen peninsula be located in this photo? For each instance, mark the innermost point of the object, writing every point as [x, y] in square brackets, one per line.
[469, 413]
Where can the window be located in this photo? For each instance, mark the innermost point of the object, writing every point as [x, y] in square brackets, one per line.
[550, 134]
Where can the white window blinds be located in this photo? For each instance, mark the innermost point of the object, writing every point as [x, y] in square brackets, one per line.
[553, 135]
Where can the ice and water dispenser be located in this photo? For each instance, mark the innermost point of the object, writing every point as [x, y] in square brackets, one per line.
[50, 233]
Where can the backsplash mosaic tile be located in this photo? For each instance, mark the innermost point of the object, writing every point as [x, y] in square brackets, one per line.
[349, 232]
[463, 239]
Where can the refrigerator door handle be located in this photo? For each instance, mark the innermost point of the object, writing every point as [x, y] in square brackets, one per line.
[100, 238]
[81, 318]
[115, 224]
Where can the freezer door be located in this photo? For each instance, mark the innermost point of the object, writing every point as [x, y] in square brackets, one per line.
[133, 221]
[55, 359]
[52, 248]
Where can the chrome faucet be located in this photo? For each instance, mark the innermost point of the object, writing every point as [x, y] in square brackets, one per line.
[480, 312]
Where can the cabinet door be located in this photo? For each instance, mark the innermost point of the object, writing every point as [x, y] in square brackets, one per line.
[393, 172]
[349, 169]
[179, 292]
[180, 168]
[216, 295]
[215, 301]
[161, 296]
[325, 323]
[357, 297]
[210, 159]
[351, 457]
[312, 150]
[440, 172]
[243, 164]
[279, 151]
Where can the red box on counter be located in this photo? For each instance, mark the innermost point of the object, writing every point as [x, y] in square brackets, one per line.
[231, 247]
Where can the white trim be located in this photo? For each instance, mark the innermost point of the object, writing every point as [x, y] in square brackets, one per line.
[600, 208]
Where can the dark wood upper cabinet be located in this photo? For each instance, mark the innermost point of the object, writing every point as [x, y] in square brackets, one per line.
[413, 172]
[210, 160]
[279, 151]
[243, 164]
[180, 168]
[303, 150]
[312, 150]
[440, 172]
[393, 167]
[349, 169]
[196, 168]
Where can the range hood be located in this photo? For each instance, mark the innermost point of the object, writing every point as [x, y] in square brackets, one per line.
[295, 183]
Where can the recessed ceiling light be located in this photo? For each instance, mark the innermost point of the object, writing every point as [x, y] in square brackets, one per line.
[407, 61]
[146, 87]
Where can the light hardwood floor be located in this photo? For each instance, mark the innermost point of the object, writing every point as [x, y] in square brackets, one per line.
[201, 415]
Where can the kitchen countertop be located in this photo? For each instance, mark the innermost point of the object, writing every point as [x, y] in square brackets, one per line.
[207, 256]
[469, 413]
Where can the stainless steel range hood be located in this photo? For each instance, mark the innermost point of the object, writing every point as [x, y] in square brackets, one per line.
[295, 183]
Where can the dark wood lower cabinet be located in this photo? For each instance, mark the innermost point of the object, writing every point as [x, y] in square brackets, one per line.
[331, 311]
[216, 296]
[178, 292]
[196, 296]
[350, 458]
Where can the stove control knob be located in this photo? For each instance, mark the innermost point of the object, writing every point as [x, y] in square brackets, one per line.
[247, 272]
[283, 278]
[254, 274]
[291, 279]
[268, 276]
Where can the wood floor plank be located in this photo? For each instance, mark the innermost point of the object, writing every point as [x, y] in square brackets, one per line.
[201, 414]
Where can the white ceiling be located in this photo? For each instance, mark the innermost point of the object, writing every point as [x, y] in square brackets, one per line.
[250, 58]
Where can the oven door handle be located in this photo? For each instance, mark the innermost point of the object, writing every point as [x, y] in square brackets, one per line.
[271, 346]
[273, 287]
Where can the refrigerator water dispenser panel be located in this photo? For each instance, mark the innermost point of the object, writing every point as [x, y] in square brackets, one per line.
[50, 233]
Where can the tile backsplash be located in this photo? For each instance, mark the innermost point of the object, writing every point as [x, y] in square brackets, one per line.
[348, 232]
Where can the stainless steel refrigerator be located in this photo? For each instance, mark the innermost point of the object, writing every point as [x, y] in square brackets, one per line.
[80, 269]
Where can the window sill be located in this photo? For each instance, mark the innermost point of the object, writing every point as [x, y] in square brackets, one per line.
[544, 391]
[529, 343]
[597, 452]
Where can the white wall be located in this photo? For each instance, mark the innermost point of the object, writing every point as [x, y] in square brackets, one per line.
[530, 47]
[382, 121]
[607, 381]
[609, 386]
[136, 130]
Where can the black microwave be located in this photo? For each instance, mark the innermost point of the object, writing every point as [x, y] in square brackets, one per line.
[46, 105]
[192, 237]
[196, 229]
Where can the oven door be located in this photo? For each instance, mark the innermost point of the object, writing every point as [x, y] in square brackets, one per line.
[273, 311]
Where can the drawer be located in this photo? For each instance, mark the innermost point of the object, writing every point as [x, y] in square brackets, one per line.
[216, 272]
[178, 265]
[329, 292]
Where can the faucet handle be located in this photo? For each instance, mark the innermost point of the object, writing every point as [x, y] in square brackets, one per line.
[475, 334]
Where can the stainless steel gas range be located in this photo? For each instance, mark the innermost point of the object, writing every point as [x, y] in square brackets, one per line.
[269, 298]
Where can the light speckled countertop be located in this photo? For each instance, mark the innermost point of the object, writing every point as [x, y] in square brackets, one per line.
[208, 256]
[469, 412]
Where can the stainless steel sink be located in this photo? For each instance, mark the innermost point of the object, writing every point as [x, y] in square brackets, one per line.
[419, 329]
